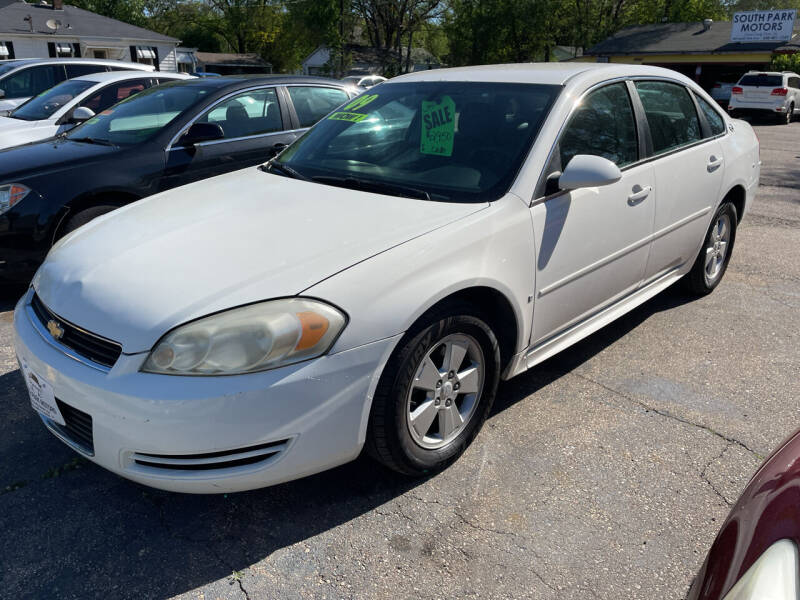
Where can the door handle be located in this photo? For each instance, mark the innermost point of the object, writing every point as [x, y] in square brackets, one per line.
[714, 163]
[639, 194]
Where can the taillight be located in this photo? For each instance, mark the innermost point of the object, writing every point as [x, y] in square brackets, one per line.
[779, 92]
[736, 90]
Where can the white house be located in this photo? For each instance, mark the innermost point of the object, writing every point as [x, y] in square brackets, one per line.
[363, 60]
[59, 30]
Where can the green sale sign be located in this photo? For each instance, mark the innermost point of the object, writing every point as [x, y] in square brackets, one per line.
[438, 127]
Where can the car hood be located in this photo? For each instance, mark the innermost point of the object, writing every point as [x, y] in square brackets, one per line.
[48, 156]
[134, 274]
[17, 131]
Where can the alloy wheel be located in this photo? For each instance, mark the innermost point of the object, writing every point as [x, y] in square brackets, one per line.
[717, 248]
[445, 391]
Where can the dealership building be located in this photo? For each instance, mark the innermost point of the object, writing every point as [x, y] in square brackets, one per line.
[703, 51]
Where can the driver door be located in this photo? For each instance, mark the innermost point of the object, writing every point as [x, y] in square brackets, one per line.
[592, 244]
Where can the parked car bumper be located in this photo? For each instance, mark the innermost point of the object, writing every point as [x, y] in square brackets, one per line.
[207, 434]
[742, 108]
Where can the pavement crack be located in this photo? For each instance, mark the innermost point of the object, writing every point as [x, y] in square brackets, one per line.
[669, 415]
[241, 587]
[705, 478]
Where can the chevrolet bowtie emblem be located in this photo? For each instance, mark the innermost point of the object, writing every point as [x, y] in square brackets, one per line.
[55, 329]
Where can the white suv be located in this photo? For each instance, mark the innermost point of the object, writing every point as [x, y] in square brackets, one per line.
[761, 93]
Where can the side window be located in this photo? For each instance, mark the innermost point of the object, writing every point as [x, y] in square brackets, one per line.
[32, 81]
[670, 114]
[250, 113]
[603, 125]
[83, 69]
[715, 120]
[110, 95]
[794, 82]
[313, 103]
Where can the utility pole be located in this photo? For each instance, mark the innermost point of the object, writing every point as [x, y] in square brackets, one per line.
[341, 38]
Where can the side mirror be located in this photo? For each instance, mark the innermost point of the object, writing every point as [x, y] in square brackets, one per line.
[81, 114]
[201, 132]
[585, 170]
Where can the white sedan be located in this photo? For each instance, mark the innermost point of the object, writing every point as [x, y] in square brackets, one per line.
[72, 102]
[371, 285]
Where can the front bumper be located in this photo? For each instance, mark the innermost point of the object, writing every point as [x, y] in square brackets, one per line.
[210, 434]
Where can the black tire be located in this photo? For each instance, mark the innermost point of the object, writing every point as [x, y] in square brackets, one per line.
[697, 281]
[789, 114]
[389, 439]
[81, 218]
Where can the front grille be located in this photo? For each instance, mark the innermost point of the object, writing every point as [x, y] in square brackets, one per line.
[88, 345]
[211, 461]
[77, 428]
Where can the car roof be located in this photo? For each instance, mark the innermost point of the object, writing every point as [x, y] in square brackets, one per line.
[244, 80]
[109, 76]
[776, 73]
[102, 61]
[542, 73]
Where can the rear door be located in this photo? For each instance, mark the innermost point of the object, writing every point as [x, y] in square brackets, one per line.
[688, 162]
[255, 124]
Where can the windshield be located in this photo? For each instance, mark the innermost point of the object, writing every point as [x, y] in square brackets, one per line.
[451, 141]
[49, 101]
[762, 80]
[140, 117]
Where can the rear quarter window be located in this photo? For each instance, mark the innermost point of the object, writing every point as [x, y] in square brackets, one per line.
[715, 120]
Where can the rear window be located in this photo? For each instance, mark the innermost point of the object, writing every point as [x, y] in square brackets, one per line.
[762, 80]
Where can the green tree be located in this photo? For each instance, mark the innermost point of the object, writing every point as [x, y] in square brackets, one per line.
[129, 11]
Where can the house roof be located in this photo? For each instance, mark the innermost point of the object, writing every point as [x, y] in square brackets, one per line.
[227, 58]
[75, 22]
[668, 38]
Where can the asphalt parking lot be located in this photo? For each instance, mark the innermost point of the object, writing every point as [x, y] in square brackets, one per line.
[605, 473]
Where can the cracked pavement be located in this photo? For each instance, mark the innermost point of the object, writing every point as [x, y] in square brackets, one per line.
[604, 473]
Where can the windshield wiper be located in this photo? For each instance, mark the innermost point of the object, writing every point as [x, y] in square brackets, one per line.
[371, 185]
[282, 169]
[91, 140]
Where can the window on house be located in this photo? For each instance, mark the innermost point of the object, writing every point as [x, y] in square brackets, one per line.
[146, 55]
[6, 50]
[64, 51]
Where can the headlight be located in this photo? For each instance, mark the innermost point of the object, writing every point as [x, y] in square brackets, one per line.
[772, 577]
[247, 339]
[10, 194]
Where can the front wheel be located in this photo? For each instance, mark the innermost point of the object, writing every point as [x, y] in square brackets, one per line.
[712, 261]
[435, 393]
[84, 216]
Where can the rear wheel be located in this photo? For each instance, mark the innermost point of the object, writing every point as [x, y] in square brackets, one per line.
[787, 118]
[435, 393]
[81, 218]
[712, 261]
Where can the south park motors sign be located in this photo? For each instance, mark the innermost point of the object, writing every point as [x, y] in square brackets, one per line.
[763, 26]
